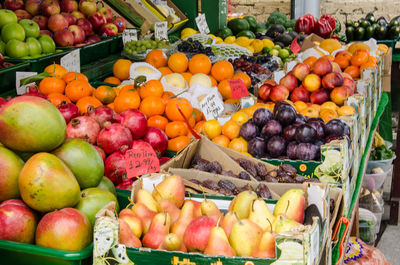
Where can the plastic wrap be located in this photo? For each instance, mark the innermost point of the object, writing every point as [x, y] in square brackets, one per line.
[359, 253]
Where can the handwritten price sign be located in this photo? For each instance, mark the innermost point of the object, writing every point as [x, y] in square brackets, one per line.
[212, 106]
[72, 61]
[21, 75]
[161, 30]
[129, 35]
[202, 24]
[238, 88]
[141, 159]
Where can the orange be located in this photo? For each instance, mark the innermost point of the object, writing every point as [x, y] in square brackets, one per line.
[328, 114]
[117, 90]
[192, 121]
[353, 71]
[345, 54]
[231, 129]
[84, 103]
[200, 63]
[346, 110]
[372, 59]
[68, 77]
[367, 65]
[240, 117]
[310, 61]
[121, 69]
[197, 114]
[212, 129]
[157, 58]
[222, 70]
[152, 105]
[167, 95]
[199, 126]
[57, 98]
[178, 62]
[244, 77]
[187, 76]
[359, 58]
[126, 88]
[127, 100]
[225, 89]
[77, 89]
[232, 101]
[329, 57]
[175, 129]
[342, 61]
[172, 112]
[151, 88]
[111, 105]
[55, 70]
[238, 144]
[213, 81]
[222, 140]
[178, 143]
[157, 121]
[112, 80]
[105, 94]
[165, 71]
[51, 85]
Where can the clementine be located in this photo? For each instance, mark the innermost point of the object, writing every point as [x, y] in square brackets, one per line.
[151, 88]
[172, 112]
[127, 100]
[51, 85]
[178, 143]
[178, 62]
[157, 58]
[84, 103]
[175, 129]
[55, 70]
[200, 63]
[121, 69]
[157, 121]
[222, 70]
[152, 105]
[77, 89]
[68, 77]
[57, 98]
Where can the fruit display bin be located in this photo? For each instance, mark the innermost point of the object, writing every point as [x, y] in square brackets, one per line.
[7, 76]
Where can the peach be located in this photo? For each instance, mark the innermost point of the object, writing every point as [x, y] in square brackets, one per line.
[347, 75]
[339, 95]
[264, 91]
[279, 93]
[349, 83]
[336, 68]
[332, 80]
[322, 66]
[310, 112]
[312, 82]
[319, 97]
[289, 81]
[300, 94]
[300, 71]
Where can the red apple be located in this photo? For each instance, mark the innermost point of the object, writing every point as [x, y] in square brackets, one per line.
[198, 232]
[50, 7]
[41, 21]
[279, 93]
[22, 14]
[87, 7]
[78, 32]
[33, 7]
[120, 23]
[17, 222]
[70, 18]
[322, 66]
[13, 4]
[300, 94]
[289, 81]
[332, 80]
[46, 32]
[92, 39]
[57, 22]
[85, 25]
[319, 97]
[349, 83]
[263, 91]
[300, 71]
[339, 94]
[107, 13]
[78, 15]
[336, 68]
[108, 29]
[67, 229]
[63, 38]
[97, 20]
[69, 6]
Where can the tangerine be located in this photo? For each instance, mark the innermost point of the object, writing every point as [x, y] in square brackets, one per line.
[367, 65]
[105, 94]
[359, 58]
[164, 71]
[310, 61]
[167, 95]
[68, 77]
[151, 88]
[50, 85]
[121, 69]
[157, 121]
[84, 103]
[224, 88]
[342, 61]
[112, 80]
[175, 129]
[172, 112]
[238, 144]
[231, 129]
[212, 129]
[353, 71]
[157, 58]
[244, 77]
[222, 70]
[222, 140]
[57, 98]
[200, 63]
[78, 89]
[126, 88]
[187, 76]
[213, 81]
[152, 105]
[127, 100]
[55, 70]
[178, 62]
[199, 126]
[197, 114]
[178, 143]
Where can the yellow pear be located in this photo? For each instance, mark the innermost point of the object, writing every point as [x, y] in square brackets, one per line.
[145, 197]
[261, 215]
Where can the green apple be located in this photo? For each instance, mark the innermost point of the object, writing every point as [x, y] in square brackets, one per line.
[2, 47]
[31, 28]
[47, 43]
[12, 31]
[17, 49]
[7, 16]
[34, 46]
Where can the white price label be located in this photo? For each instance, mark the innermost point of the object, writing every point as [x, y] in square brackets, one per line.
[72, 61]
[278, 76]
[201, 23]
[129, 35]
[161, 30]
[212, 105]
[246, 102]
[18, 77]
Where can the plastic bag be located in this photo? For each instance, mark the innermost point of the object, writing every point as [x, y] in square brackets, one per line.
[359, 253]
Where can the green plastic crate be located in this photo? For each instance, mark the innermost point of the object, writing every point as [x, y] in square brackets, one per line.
[7, 76]
[95, 51]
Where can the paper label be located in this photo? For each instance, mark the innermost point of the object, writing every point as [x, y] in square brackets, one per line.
[141, 159]
[21, 75]
[314, 248]
[238, 88]
[278, 76]
[72, 61]
[201, 23]
[161, 30]
[129, 35]
[246, 102]
[212, 105]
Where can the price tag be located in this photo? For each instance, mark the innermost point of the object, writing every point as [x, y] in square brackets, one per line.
[238, 88]
[18, 77]
[129, 35]
[141, 159]
[246, 102]
[278, 76]
[72, 61]
[161, 30]
[212, 105]
[201, 23]
[294, 46]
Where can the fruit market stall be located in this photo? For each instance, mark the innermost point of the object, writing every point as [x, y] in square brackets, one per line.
[137, 140]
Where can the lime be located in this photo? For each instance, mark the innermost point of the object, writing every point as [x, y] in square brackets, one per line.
[277, 47]
[274, 52]
[283, 54]
[266, 49]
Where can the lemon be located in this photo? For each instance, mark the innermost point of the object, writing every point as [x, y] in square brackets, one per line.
[218, 40]
[250, 48]
[243, 41]
[186, 32]
[257, 45]
[268, 43]
[212, 129]
[230, 39]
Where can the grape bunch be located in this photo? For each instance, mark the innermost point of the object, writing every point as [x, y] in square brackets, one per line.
[140, 46]
[194, 46]
[250, 66]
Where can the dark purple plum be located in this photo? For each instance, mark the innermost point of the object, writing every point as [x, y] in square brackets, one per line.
[257, 146]
[291, 150]
[261, 116]
[276, 146]
[318, 128]
[279, 104]
[300, 118]
[249, 130]
[334, 127]
[331, 138]
[271, 128]
[319, 143]
[305, 134]
[306, 151]
[346, 130]
[318, 119]
[289, 133]
[286, 115]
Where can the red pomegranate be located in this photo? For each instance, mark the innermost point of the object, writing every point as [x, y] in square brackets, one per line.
[101, 114]
[83, 127]
[135, 121]
[157, 139]
[68, 110]
[101, 152]
[114, 137]
[115, 167]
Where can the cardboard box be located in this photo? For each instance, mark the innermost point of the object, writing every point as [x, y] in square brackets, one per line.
[309, 42]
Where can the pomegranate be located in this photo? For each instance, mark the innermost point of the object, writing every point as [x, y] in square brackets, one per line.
[126, 184]
[115, 167]
[101, 152]
[34, 92]
[101, 114]
[2, 101]
[135, 121]
[113, 137]
[68, 110]
[83, 127]
[164, 160]
[157, 139]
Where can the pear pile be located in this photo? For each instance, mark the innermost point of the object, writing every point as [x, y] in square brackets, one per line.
[164, 220]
